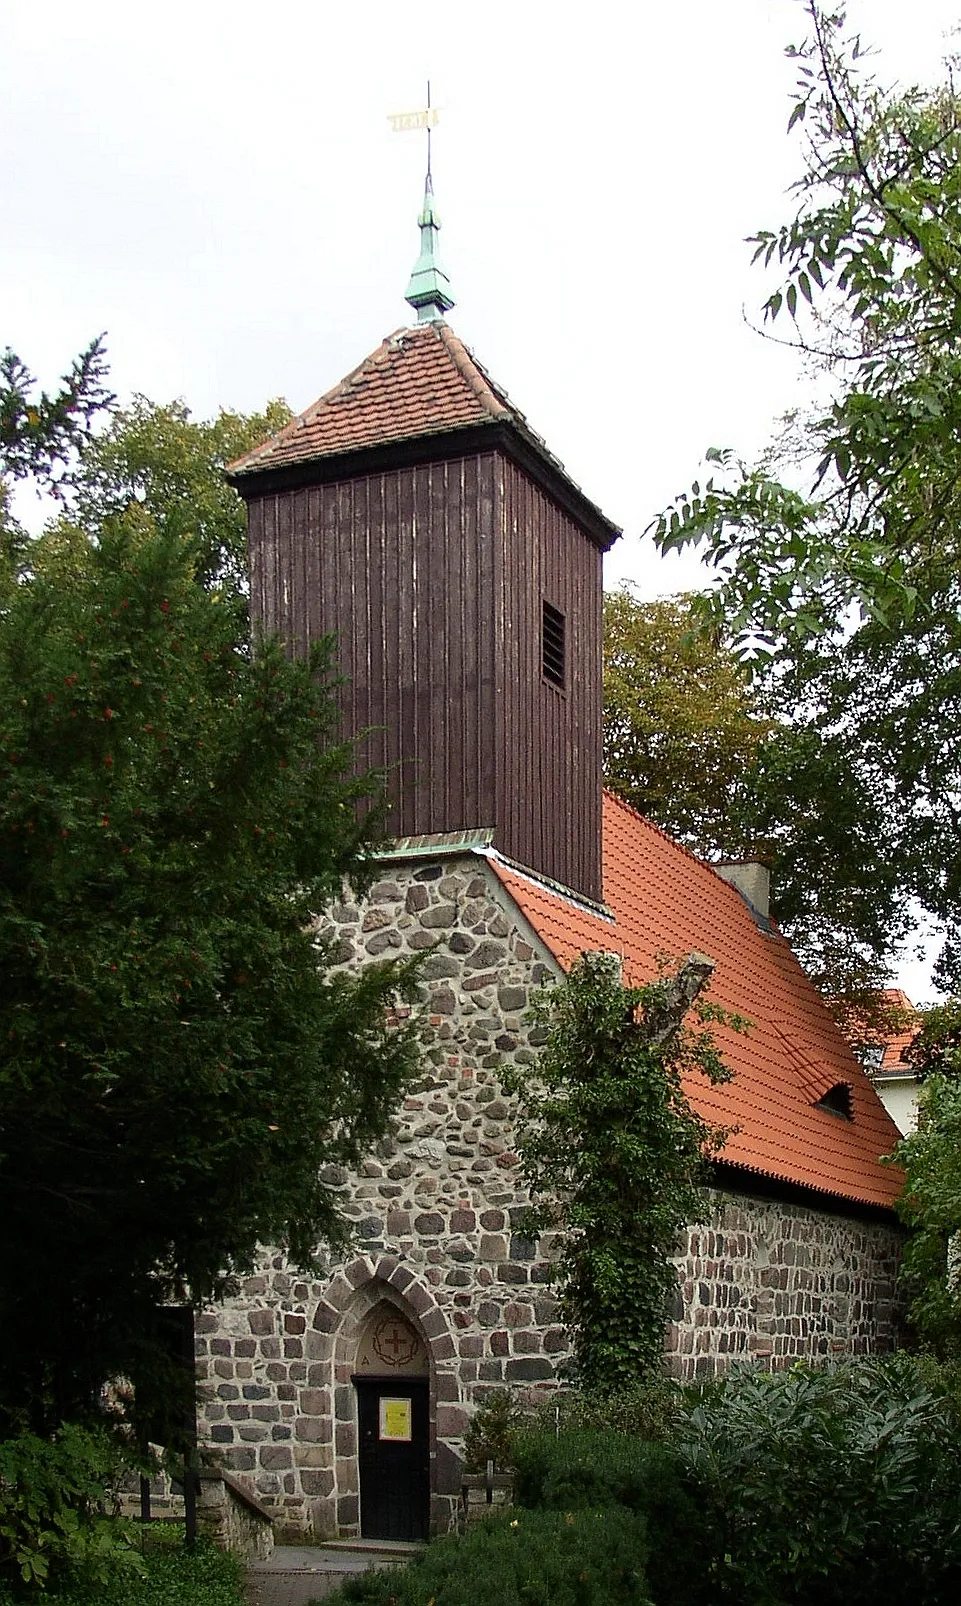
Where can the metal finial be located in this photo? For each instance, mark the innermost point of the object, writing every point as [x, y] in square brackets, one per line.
[429, 289]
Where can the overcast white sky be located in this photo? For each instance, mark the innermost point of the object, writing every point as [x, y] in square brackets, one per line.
[216, 185]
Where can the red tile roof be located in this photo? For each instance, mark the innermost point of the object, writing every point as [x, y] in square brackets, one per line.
[667, 902]
[893, 1063]
[419, 382]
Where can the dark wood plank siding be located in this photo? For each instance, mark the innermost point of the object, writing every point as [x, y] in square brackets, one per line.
[549, 740]
[433, 579]
[400, 567]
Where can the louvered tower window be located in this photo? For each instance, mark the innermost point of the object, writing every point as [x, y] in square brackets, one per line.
[552, 645]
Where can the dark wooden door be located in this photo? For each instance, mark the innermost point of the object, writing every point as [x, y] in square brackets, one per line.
[394, 1455]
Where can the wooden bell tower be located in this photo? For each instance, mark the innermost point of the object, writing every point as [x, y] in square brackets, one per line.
[414, 513]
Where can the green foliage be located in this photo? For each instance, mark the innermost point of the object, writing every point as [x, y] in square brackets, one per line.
[737, 769]
[644, 1409]
[837, 1485]
[838, 553]
[576, 1470]
[931, 1205]
[840, 1485]
[41, 435]
[176, 1065]
[613, 1154]
[169, 1576]
[53, 1522]
[491, 1432]
[527, 1558]
[681, 723]
[869, 274]
[590, 1470]
[936, 1045]
[171, 465]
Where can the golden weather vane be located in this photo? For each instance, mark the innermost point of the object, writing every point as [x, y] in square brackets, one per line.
[429, 288]
[411, 122]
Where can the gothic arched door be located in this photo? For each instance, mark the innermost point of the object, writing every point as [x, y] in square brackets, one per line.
[393, 1428]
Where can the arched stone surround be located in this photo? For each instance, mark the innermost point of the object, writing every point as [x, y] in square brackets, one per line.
[338, 1322]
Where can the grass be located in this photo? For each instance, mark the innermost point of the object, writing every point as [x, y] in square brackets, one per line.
[173, 1577]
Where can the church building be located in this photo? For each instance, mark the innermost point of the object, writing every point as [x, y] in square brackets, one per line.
[414, 512]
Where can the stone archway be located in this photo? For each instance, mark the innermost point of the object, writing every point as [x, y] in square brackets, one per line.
[393, 1397]
[341, 1321]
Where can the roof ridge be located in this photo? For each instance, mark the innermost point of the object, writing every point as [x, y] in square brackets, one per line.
[483, 390]
[419, 382]
[495, 400]
[309, 413]
[511, 409]
[645, 819]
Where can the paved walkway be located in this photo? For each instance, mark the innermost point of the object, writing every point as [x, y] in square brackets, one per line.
[295, 1575]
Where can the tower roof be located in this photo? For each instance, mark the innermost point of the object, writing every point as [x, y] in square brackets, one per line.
[422, 389]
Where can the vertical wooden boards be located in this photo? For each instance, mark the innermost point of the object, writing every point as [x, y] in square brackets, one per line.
[550, 737]
[433, 578]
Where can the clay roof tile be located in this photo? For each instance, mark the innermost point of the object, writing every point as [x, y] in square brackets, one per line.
[664, 901]
[420, 381]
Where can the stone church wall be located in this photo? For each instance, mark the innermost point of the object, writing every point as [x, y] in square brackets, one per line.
[438, 1216]
[772, 1282]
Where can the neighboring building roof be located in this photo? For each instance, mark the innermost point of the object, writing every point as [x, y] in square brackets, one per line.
[891, 1065]
[665, 902]
[419, 383]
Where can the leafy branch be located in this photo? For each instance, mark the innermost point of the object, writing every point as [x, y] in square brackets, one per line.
[614, 1154]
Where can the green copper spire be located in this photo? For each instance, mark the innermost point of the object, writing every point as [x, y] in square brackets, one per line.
[429, 288]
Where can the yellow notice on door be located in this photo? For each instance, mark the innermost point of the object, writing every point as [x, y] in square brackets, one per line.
[395, 1419]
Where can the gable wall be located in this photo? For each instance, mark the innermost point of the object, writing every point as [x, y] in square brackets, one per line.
[437, 1214]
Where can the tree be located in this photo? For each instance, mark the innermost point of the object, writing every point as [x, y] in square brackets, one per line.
[839, 553]
[171, 465]
[729, 767]
[40, 435]
[681, 724]
[613, 1154]
[931, 1206]
[935, 1047]
[177, 1062]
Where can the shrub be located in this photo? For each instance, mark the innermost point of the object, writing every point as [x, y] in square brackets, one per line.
[530, 1558]
[172, 1576]
[645, 1410]
[53, 1523]
[491, 1432]
[840, 1485]
[577, 1470]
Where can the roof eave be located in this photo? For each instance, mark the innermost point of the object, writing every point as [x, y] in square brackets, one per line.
[263, 478]
[747, 1178]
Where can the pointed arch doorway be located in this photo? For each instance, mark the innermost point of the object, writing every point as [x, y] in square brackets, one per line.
[392, 1383]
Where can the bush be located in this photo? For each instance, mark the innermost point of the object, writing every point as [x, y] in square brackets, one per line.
[530, 1558]
[645, 1410]
[491, 1432]
[172, 1576]
[840, 1485]
[53, 1521]
[577, 1470]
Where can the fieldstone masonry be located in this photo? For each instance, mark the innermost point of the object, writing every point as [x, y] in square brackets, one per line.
[438, 1214]
[771, 1282]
